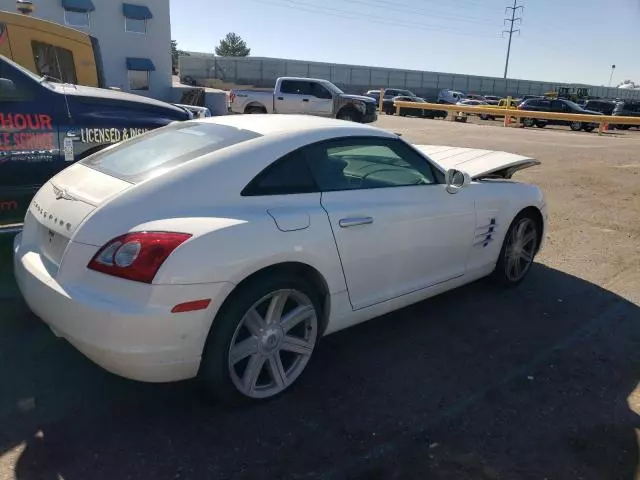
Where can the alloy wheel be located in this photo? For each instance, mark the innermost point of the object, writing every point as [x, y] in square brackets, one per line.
[520, 249]
[273, 343]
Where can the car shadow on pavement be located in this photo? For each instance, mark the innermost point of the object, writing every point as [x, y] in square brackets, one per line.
[479, 383]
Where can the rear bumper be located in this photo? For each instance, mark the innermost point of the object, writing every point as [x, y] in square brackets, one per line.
[141, 339]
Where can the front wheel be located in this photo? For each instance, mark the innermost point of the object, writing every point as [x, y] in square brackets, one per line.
[575, 126]
[528, 122]
[348, 114]
[262, 340]
[518, 250]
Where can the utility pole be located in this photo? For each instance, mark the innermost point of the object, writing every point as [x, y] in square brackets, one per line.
[512, 22]
[613, 67]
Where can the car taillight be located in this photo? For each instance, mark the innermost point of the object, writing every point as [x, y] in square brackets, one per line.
[232, 97]
[136, 256]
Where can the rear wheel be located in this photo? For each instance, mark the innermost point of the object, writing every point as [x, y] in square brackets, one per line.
[518, 250]
[575, 126]
[255, 110]
[262, 340]
[528, 122]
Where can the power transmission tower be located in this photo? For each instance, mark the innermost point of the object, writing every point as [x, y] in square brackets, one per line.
[512, 22]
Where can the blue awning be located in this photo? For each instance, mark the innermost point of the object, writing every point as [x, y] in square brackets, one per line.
[142, 64]
[137, 12]
[78, 5]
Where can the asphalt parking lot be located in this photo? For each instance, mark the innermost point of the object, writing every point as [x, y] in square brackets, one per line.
[537, 382]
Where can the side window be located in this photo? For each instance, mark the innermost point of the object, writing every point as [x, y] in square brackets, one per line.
[544, 103]
[318, 91]
[294, 87]
[351, 164]
[559, 106]
[13, 88]
[286, 176]
[54, 61]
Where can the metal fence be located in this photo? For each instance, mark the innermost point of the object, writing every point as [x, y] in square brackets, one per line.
[261, 72]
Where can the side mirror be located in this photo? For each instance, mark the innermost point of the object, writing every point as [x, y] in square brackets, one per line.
[456, 179]
[7, 86]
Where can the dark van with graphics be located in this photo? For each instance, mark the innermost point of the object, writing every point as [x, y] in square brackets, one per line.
[45, 126]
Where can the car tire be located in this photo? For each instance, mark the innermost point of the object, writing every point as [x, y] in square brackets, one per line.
[282, 349]
[528, 122]
[255, 110]
[588, 128]
[349, 115]
[518, 250]
[575, 126]
[484, 116]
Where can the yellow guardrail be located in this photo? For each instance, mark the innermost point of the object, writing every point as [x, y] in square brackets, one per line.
[603, 120]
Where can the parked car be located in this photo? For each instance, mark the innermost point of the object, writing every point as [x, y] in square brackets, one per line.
[492, 99]
[475, 96]
[390, 109]
[627, 108]
[311, 96]
[450, 96]
[389, 93]
[418, 112]
[560, 106]
[45, 126]
[224, 248]
[483, 116]
[605, 107]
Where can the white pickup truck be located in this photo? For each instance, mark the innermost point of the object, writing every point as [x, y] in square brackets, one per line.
[310, 96]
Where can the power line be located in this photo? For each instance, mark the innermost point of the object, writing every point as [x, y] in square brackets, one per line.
[404, 8]
[512, 23]
[339, 13]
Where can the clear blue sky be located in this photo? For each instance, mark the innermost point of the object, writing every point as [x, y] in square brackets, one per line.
[459, 36]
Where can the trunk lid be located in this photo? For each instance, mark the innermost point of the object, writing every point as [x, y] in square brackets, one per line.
[61, 205]
[477, 162]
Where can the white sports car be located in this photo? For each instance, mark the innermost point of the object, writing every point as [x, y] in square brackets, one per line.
[225, 248]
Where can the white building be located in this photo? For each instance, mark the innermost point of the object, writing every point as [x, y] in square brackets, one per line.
[134, 38]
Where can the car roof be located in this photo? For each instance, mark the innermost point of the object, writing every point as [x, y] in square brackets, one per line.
[273, 125]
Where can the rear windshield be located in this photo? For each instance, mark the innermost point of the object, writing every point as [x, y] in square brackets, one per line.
[150, 154]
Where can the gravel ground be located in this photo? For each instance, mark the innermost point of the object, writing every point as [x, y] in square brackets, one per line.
[538, 382]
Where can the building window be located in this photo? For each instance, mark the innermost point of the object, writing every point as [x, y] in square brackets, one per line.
[54, 61]
[76, 12]
[135, 26]
[136, 17]
[138, 80]
[76, 19]
[139, 69]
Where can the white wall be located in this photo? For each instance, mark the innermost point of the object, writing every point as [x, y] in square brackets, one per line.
[107, 25]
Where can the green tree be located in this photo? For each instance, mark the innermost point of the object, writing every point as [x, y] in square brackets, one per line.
[175, 54]
[232, 46]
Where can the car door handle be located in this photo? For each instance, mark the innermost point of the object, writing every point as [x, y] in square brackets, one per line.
[355, 221]
[305, 99]
[280, 98]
